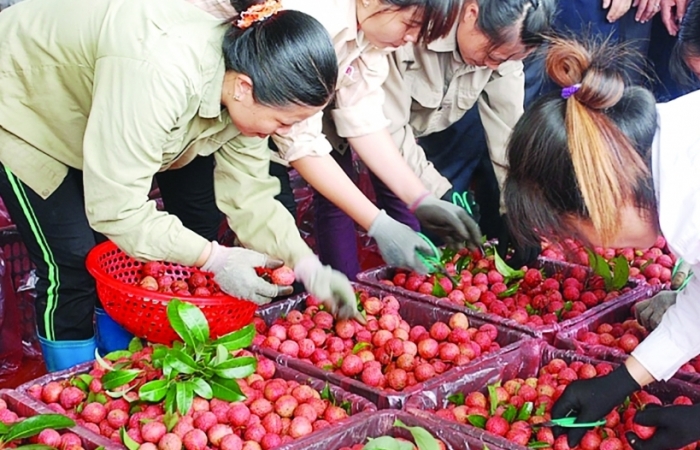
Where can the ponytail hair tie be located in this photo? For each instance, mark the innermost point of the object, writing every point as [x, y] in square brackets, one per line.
[258, 13]
[569, 91]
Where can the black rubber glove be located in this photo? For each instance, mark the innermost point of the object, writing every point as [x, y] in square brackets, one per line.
[591, 400]
[676, 427]
[522, 256]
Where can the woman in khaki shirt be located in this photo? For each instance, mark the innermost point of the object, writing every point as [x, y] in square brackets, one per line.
[364, 32]
[106, 93]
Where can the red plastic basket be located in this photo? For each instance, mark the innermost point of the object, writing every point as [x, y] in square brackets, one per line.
[142, 312]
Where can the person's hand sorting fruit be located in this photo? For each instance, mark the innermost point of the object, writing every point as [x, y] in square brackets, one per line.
[673, 427]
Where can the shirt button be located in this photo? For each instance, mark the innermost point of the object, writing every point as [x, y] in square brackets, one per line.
[45, 193]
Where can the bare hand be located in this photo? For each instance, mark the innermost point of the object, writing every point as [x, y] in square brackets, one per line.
[646, 9]
[618, 8]
[672, 17]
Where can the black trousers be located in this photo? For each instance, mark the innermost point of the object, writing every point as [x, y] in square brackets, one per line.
[58, 238]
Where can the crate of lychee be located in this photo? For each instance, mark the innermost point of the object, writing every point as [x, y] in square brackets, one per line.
[392, 429]
[613, 334]
[405, 346]
[651, 265]
[23, 421]
[195, 394]
[136, 295]
[535, 300]
[503, 400]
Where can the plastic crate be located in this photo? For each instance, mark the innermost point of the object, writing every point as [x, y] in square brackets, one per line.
[375, 277]
[382, 424]
[522, 362]
[567, 339]
[359, 405]
[414, 312]
[26, 406]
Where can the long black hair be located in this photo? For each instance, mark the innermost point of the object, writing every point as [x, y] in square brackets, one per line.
[687, 46]
[437, 17]
[289, 57]
[502, 21]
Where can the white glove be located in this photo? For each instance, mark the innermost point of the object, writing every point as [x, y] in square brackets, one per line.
[398, 243]
[330, 287]
[234, 271]
[448, 221]
[650, 312]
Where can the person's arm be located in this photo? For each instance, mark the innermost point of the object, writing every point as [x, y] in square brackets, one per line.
[134, 107]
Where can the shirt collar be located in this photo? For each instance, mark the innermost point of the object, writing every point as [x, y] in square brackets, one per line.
[447, 44]
[213, 71]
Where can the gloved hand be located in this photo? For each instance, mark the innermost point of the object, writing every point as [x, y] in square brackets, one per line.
[329, 286]
[650, 312]
[591, 400]
[682, 272]
[522, 256]
[398, 243]
[450, 222]
[234, 271]
[464, 200]
[676, 426]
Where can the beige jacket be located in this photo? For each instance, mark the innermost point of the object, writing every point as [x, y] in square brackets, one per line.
[122, 89]
[429, 89]
[363, 68]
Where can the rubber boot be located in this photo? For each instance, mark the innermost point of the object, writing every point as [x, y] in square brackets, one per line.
[60, 355]
[110, 335]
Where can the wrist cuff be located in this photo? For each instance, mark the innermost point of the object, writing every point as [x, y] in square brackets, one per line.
[416, 203]
[306, 266]
[215, 261]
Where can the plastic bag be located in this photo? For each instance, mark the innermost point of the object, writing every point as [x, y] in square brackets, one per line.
[11, 351]
[26, 296]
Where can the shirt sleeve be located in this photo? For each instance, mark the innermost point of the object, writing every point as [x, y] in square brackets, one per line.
[360, 97]
[134, 108]
[676, 340]
[414, 155]
[305, 138]
[245, 193]
[500, 107]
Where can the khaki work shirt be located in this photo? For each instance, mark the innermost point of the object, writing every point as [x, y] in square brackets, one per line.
[430, 89]
[122, 89]
[363, 68]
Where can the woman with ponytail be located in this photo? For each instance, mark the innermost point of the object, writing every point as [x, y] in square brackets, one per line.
[98, 96]
[599, 160]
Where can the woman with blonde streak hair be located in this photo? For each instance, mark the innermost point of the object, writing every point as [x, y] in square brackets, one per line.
[601, 161]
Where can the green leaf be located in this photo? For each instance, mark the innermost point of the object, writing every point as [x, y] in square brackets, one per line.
[3, 428]
[477, 420]
[135, 345]
[221, 355]
[621, 272]
[80, 384]
[526, 411]
[510, 291]
[227, 390]
[202, 388]
[456, 399]
[327, 394]
[530, 310]
[34, 425]
[385, 443]
[104, 364]
[360, 346]
[180, 362]
[539, 444]
[184, 394]
[600, 267]
[127, 440]
[448, 255]
[510, 413]
[170, 420]
[170, 399]
[568, 305]
[463, 263]
[541, 410]
[101, 398]
[423, 439]
[493, 399]
[189, 322]
[236, 368]
[347, 406]
[117, 378]
[115, 355]
[154, 391]
[505, 270]
[35, 447]
[472, 307]
[238, 339]
[87, 379]
[438, 290]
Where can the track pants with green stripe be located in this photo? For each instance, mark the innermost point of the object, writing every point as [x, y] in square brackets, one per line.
[58, 237]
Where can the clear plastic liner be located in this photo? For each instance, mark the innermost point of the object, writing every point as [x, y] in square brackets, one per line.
[381, 423]
[522, 362]
[375, 278]
[415, 313]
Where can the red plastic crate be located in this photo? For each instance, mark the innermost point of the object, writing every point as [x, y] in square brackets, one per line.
[522, 362]
[375, 277]
[26, 406]
[414, 312]
[382, 424]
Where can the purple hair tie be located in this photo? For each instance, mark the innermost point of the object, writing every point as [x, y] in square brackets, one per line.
[570, 90]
